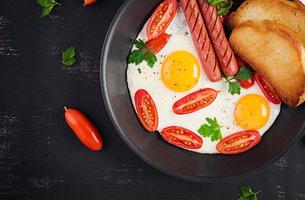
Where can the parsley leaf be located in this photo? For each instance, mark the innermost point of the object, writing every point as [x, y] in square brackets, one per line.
[136, 57]
[142, 53]
[47, 6]
[139, 44]
[211, 129]
[150, 58]
[245, 73]
[234, 86]
[223, 6]
[68, 56]
[247, 193]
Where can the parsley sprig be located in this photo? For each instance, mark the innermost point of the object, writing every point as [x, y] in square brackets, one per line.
[234, 86]
[142, 53]
[47, 6]
[247, 193]
[69, 56]
[223, 6]
[211, 129]
[244, 73]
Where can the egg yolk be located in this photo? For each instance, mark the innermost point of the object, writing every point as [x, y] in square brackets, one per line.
[180, 71]
[252, 112]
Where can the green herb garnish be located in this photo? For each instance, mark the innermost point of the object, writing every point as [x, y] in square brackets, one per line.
[68, 56]
[211, 129]
[142, 53]
[223, 6]
[245, 73]
[247, 193]
[47, 6]
[234, 86]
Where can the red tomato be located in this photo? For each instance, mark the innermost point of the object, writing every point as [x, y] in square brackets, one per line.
[239, 142]
[89, 2]
[246, 83]
[84, 129]
[195, 101]
[158, 43]
[267, 89]
[161, 18]
[146, 110]
[181, 137]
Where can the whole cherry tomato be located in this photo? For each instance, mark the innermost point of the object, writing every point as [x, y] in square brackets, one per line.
[84, 129]
[246, 83]
[89, 2]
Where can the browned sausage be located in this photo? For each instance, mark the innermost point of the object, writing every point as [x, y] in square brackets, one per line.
[201, 39]
[217, 34]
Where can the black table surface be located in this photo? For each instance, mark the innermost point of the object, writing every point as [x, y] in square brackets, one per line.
[40, 158]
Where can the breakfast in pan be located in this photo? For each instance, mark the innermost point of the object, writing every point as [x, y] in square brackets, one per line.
[212, 80]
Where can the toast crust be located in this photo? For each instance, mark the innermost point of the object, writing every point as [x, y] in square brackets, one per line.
[276, 53]
[288, 13]
[302, 97]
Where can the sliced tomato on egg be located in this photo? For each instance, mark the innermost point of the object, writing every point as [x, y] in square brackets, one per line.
[239, 142]
[195, 101]
[161, 18]
[156, 44]
[146, 110]
[267, 89]
[181, 137]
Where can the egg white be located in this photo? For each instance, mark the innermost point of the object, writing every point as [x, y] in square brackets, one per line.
[222, 108]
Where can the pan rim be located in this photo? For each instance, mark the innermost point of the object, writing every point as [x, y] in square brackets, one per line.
[133, 147]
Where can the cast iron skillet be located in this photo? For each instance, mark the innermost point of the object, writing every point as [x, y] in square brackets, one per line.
[285, 132]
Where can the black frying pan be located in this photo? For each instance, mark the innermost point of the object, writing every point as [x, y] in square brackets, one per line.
[285, 132]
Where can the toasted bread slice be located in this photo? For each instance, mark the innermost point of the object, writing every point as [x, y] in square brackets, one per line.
[276, 53]
[288, 13]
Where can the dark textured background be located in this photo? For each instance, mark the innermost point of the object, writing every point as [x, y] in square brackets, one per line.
[39, 156]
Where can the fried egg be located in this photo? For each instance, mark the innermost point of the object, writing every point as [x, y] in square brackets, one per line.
[178, 73]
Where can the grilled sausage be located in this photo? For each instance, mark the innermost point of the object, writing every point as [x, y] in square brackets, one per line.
[217, 34]
[201, 39]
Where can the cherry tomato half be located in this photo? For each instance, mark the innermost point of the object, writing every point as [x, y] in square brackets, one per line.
[89, 2]
[158, 43]
[195, 101]
[84, 129]
[239, 142]
[146, 110]
[267, 89]
[161, 18]
[181, 137]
